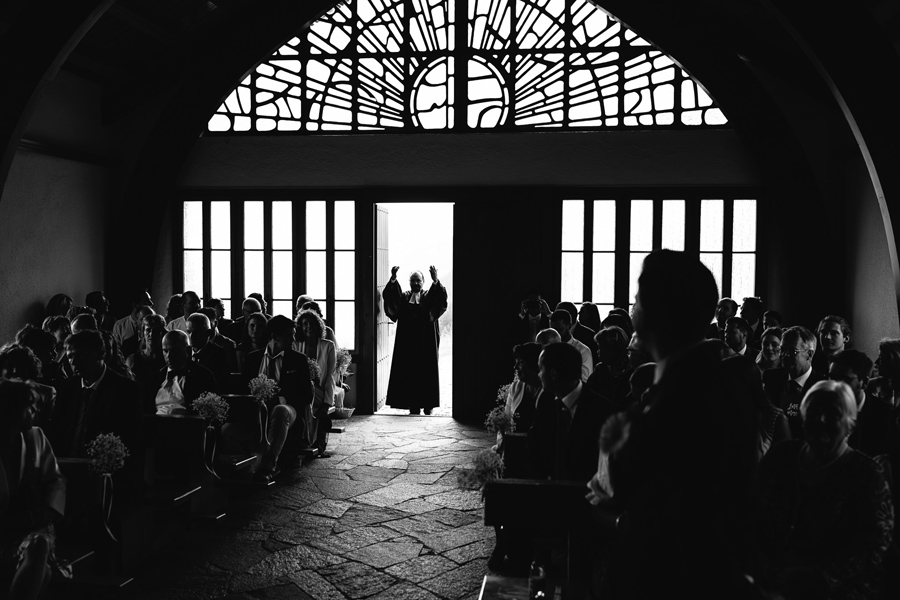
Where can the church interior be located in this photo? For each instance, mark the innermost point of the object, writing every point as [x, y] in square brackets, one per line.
[105, 116]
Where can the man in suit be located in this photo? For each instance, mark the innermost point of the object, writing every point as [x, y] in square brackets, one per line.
[737, 337]
[684, 452]
[752, 312]
[184, 379]
[226, 343]
[873, 414]
[564, 439]
[786, 385]
[190, 305]
[580, 332]
[218, 307]
[293, 407]
[95, 400]
[206, 353]
[725, 309]
[130, 325]
[561, 321]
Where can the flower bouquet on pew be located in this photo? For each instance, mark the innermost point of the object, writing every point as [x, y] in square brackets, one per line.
[263, 389]
[315, 372]
[486, 467]
[212, 408]
[107, 453]
[500, 421]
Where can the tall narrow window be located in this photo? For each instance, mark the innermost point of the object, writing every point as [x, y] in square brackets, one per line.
[640, 243]
[282, 259]
[573, 250]
[712, 238]
[743, 258]
[193, 247]
[220, 255]
[603, 288]
[344, 272]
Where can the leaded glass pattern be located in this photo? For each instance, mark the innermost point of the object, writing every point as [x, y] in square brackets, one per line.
[477, 65]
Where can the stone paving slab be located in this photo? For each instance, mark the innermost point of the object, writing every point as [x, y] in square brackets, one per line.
[459, 582]
[357, 580]
[354, 539]
[382, 519]
[385, 554]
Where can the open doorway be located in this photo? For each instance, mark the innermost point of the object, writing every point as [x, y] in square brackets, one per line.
[413, 236]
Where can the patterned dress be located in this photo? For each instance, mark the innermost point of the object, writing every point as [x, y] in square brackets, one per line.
[839, 522]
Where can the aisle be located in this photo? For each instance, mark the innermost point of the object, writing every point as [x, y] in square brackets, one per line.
[382, 518]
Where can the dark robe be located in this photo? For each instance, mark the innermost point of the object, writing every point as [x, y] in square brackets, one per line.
[414, 371]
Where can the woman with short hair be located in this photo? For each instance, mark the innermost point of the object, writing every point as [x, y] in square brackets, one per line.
[826, 517]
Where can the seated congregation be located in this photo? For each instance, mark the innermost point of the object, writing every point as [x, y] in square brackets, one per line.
[738, 459]
[677, 457]
[66, 386]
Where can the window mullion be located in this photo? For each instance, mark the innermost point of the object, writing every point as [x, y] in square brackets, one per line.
[178, 247]
[657, 223]
[692, 225]
[623, 254]
[588, 252]
[268, 273]
[329, 260]
[206, 292]
[237, 255]
[298, 248]
[727, 246]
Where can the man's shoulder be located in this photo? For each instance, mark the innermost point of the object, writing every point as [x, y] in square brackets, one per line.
[776, 375]
[225, 342]
[114, 380]
[195, 368]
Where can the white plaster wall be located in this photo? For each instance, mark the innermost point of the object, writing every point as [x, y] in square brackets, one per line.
[51, 235]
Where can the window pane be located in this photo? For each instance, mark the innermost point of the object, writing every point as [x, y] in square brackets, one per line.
[673, 225]
[282, 226]
[193, 271]
[604, 309]
[604, 225]
[283, 307]
[315, 225]
[636, 262]
[193, 225]
[604, 279]
[743, 275]
[572, 287]
[253, 273]
[345, 324]
[282, 276]
[714, 263]
[253, 225]
[220, 274]
[226, 307]
[220, 225]
[315, 277]
[712, 213]
[642, 225]
[744, 236]
[344, 276]
[344, 225]
[573, 226]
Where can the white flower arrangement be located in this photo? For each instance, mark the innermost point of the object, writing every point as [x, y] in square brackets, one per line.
[211, 407]
[487, 466]
[500, 420]
[107, 453]
[263, 389]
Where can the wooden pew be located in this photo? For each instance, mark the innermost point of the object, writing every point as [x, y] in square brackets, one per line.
[553, 511]
[175, 467]
[243, 410]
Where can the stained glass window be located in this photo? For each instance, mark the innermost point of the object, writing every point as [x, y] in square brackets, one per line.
[415, 65]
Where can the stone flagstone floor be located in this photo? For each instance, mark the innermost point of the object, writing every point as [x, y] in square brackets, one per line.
[382, 519]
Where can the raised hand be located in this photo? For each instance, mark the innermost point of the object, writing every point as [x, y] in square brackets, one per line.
[433, 270]
[394, 272]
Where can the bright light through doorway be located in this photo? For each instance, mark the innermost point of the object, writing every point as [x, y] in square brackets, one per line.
[419, 235]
